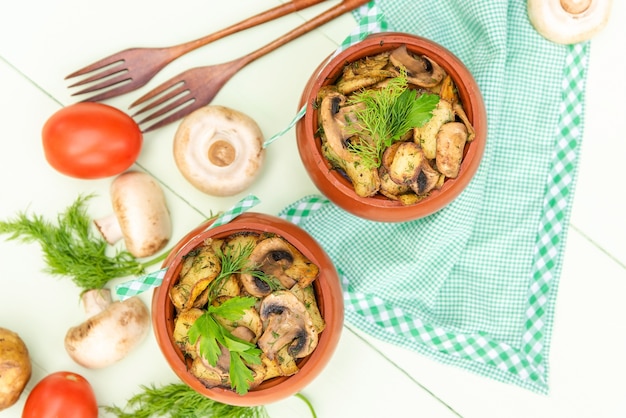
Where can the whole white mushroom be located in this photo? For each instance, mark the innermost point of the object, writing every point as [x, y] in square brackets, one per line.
[111, 331]
[219, 150]
[569, 21]
[140, 215]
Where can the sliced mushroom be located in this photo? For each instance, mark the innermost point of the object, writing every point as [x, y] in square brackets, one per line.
[426, 135]
[184, 321]
[333, 129]
[204, 269]
[449, 93]
[306, 295]
[278, 258]
[229, 287]
[365, 180]
[219, 150]
[569, 21]
[451, 140]
[420, 70]
[390, 188]
[364, 73]
[210, 376]
[361, 81]
[410, 166]
[287, 324]
[283, 364]
[140, 215]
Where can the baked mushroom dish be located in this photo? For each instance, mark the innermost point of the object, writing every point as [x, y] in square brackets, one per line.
[393, 125]
[246, 310]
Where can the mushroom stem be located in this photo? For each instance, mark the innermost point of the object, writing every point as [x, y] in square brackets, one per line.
[575, 7]
[95, 301]
[109, 228]
[219, 150]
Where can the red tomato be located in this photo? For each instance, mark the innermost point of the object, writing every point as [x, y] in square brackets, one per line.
[91, 140]
[61, 394]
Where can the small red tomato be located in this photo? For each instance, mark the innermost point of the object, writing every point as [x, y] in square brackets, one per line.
[61, 394]
[91, 140]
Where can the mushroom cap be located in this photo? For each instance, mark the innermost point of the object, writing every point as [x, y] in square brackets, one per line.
[421, 70]
[109, 336]
[288, 324]
[568, 21]
[219, 150]
[277, 257]
[141, 214]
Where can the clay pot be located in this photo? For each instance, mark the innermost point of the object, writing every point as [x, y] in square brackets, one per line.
[328, 293]
[335, 186]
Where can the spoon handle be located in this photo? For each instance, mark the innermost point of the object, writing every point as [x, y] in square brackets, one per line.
[263, 17]
[317, 21]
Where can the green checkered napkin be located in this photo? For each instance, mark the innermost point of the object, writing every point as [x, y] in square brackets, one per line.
[474, 285]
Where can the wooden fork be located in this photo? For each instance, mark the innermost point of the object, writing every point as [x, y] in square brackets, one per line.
[194, 88]
[132, 68]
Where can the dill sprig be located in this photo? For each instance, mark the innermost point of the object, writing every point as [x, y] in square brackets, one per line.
[178, 400]
[71, 248]
[387, 115]
[235, 261]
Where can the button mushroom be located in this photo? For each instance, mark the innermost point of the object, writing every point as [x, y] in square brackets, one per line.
[420, 70]
[108, 336]
[140, 217]
[569, 21]
[287, 324]
[219, 150]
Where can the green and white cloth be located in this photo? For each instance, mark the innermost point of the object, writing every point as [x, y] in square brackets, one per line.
[474, 284]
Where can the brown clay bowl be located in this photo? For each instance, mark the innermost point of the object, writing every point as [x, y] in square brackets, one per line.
[335, 186]
[328, 293]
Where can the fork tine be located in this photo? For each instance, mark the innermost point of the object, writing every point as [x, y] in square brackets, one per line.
[104, 62]
[177, 89]
[107, 94]
[163, 87]
[175, 116]
[118, 68]
[110, 82]
[185, 98]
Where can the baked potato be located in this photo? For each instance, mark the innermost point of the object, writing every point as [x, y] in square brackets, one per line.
[15, 367]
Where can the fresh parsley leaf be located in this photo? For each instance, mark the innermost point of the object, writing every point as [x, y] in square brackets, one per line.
[213, 335]
[206, 329]
[233, 308]
[235, 344]
[240, 375]
[251, 356]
